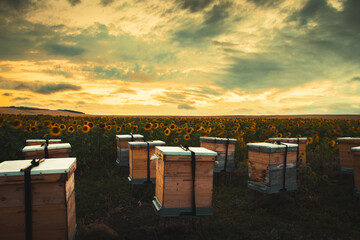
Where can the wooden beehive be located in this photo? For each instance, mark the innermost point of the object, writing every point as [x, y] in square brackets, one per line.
[30, 142]
[301, 150]
[266, 167]
[224, 147]
[142, 169]
[345, 144]
[60, 150]
[122, 145]
[355, 151]
[53, 200]
[174, 190]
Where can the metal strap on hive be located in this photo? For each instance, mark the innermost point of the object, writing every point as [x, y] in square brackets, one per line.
[284, 165]
[226, 155]
[28, 204]
[193, 168]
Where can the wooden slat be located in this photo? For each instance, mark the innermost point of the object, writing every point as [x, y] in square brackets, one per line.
[71, 215]
[53, 153]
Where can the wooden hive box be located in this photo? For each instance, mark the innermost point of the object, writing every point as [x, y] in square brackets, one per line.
[266, 167]
[30, 142]
[142, 169]
[302, 147]
[53, 200]
[355, 151]
[175, 188]
[60, 150]
[345, 144]
[122, 145]
[224, 147]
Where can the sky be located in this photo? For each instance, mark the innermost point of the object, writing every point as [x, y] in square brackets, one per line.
[181, 57]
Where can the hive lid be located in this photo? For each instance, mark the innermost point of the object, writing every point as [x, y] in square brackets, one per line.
[42, 140]
[271, 148]
[154, 142]
[50, 147]
[355, 149]
[216, 139]
[126, 137]
[348, 138]
[199, 151]
[287, 139]
[49, 166]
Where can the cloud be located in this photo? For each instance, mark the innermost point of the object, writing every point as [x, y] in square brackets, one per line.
[20, 99]
[194, 5]
[7, 94]
[36, 87]
[57, 70]
[185, 106]
[266, 3]
[106, 2]
[64, 50]
[355, 79]
[214, 24]
[74, 2]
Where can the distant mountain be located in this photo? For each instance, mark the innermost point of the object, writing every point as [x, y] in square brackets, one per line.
[39, 111]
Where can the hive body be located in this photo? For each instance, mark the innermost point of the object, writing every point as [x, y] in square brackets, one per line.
[56, 150]
[345, 144]
[122, 146]
[356, 166]
[31, 142]
[53, 199]
[174, 189]
[223, 147]
[302, 147]
[266, 167]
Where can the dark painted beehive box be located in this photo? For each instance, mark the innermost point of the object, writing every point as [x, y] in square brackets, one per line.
[223, 147]
[266, 167]
[53, 199]
[122, 146]
[356, 164]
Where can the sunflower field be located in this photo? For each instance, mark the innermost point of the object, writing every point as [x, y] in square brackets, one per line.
[93, 143]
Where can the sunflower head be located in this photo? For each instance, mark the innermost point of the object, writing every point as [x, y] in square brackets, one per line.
[71, 129]
[148, 126]
[62, 127]
[55, 131]
[85, 129]
[16, 124]
[167, 131]
[186, 137]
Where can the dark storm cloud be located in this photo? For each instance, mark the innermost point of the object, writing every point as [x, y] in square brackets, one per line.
[74, 2]
[16, 8]
[194, 5]
[106, 2]
[213, 25]
[37, 87]
[311, 9]
[266, 3]
[64, 50]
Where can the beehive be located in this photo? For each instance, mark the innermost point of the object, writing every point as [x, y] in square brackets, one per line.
[345, 144]
[142, 169]
[266, 167]
[355, 151]
[301, 150]
[177, 192]
[30, 142]
[53, 200]
[60, 150]
[123, 147]
[225, 148]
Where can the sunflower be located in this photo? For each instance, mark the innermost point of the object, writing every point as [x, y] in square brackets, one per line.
[148, 126]
[179, 130]
[62, 127]
[16, 124]
[309, 140]
[47, 123]
[189, 130]
[55, 131]
[186, 137]
[167, 131]
[156, 125]
[176, 140]
[71, 129]
[78, 126]
[333, 143]
[75, 122]
[172, 126]
[108, 127]
[279, 135]
[134, 128]
[91, 125]
[85, 129]
[102, 125]
[118, 129]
